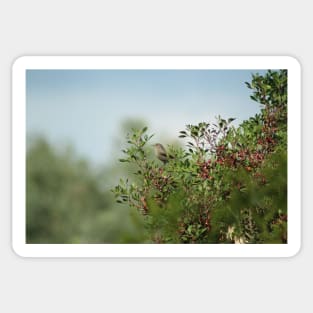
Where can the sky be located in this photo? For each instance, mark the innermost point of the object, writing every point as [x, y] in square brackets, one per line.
[86, 108]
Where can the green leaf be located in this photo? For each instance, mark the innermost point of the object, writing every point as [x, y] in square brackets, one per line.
[248, 85]
[123, 160]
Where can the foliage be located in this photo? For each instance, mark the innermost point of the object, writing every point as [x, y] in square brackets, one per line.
[229, 185]
[65, 201]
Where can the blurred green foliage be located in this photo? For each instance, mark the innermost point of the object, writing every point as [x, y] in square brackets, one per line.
[66, 201]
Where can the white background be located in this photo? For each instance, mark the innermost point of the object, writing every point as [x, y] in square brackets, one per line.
[148, 28]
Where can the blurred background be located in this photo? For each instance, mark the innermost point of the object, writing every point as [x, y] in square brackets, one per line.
[77, 121]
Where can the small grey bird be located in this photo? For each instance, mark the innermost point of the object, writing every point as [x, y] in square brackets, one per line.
[160, 152]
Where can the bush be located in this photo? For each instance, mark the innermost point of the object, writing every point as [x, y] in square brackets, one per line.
[229, 185]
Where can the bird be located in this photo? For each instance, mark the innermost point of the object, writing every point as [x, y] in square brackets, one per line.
[160, 152]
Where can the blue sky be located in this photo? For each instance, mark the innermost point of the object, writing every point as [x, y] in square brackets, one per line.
[86, 108]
